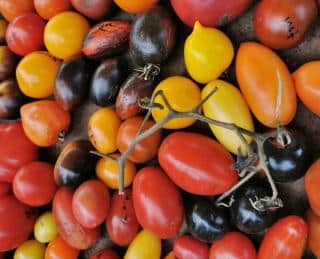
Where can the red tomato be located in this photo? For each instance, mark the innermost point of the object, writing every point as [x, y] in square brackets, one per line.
[285, 239]
[311, 182]
[187, 247]
[68, 227]
[16, 222]
[105, 254]
[197, 164]
[49, 8]
[18, 151]
[59, 249]
[122, 224]
[313, 222]
[90, 203]
[233, 245]
[94, 9]
[5, 189]
[10, 9]
[157, 202]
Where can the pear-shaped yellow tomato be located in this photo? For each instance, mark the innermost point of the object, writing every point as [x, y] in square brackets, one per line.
[208, 52]
[145, 245]
[227, 105]
[30, 249]
[266, 84]
[182, 94]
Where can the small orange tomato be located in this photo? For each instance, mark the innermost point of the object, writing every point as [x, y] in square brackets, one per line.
[103, 129]
[58, 248]
[43, 121]
[312, 182]
[313, 222]
[136, 6]
[107, 171]
[49, 8]
[10, 9]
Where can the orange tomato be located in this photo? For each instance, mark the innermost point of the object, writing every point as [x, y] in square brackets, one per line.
[314, 232]
[10, 9]
[312, 182]
[49, 8]
[266, 84]
[59, 249]
[136, 6]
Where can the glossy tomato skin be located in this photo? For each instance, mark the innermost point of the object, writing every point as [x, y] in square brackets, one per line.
[285, 239]
[49, 8]
[197, 164]
[311, 181]
[136, 6]
[313, 222]
[189, 247]
[45, 228]
[10, 9]
[59, 249]
[105, 254]
[94, 9]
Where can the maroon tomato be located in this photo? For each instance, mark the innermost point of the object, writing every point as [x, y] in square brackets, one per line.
[5, 188]
[105, 254]
[157, 202]
[197, 164]
[186, 247]
[68, 227]
[16, 222]
[16, 150]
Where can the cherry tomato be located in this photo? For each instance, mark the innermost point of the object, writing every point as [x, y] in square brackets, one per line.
[10, 9]
[59, 249]
[30, 249]
[103, 127]
[16, 222]
[266, 86]
[197, 164]
[285, 239]
[105, 254]
[3, 29]
[122, 224]
[313, 222]
[36, 74]
[311, 182]
[34, 184]
[136, 6]
[45, 229]
[49, 8]
[43, 121]
[5, 189]
[64, 33]
[8, 63]
[182, 94]
[18, 151]
[233, 245]
[94, 9]
[144, 150]
[188, 247]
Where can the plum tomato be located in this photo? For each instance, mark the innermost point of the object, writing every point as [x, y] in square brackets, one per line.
[58, 248]
[45, 228]
[136, 6]
[121, 223]
[267, 86]
[93, 9]
[49, 8]
[5, 189]
[197, 164]
[311, 182]
[189, 247]
[44, 121]
[34, 184]
[105, 254]
[8, 63]
[285, 239]
[10, 9]
[30, 249]
[313, 222]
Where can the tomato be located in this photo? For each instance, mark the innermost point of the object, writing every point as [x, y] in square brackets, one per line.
[3, 29]
[43, 121]
[16, 222]
[69, 228]
[94, 9]
[197, 164]
[188, 247]
[208, 52]
[59, 249]
[307, 84]
[64, 33]
[36, 74]
[45, 229]
[182, 94]
[313, 222]
[107, 171]
[267, 86]
[5, 189]
[170, 256]
[49, 8]
[18, 152]
[233, 245]
[136, 6]
[90, 203]
[105, 254]
[103, 128]
[30, 249]
[282, 24]
[311, 182]
[221, 107]
[13, 8]
[8, 62]
[285, 239]
[145, 246]
[144, 150]
[121, 223]
[34, 184]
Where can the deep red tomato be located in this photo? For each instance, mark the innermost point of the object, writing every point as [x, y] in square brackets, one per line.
[34, 184]
[187, 247]
[5, 189]
[105, 254]
[311, 182]
[49, 8]
[285, 239]
[197, 164]
[68, 227]
[16, 222]
[18, 151]
[10, 9]
[157, 202]
[233, 245]
[282, 24]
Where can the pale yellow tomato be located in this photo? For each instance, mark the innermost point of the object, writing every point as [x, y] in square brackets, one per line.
[45, 229]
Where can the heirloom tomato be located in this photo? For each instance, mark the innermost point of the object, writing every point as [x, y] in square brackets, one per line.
[312, 181]
[30, 249]
[190, 247]
[10, 9]
[59, 249]
[105, 254]
[45, 228]
[313, 222]
[94, 9]
[49, 8]
[136, 6]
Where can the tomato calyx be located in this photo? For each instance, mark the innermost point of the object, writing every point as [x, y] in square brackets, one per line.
[149, 71]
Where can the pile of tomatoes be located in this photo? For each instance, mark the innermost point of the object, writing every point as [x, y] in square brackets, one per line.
[76, 80]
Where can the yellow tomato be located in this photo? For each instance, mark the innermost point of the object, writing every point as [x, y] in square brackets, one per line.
[145, 245]
[45, 229]
[36, 74]
[30, 249]
[208, 52]
[227, 105]
[64, 34]
[182, 94]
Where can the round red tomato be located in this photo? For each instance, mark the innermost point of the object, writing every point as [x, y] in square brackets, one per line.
[105, 254]
[10, 9]
[189, 247]
[311, 182]
[49, 8]
[5, 189]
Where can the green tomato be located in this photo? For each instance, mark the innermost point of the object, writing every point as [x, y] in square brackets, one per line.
[45, 229]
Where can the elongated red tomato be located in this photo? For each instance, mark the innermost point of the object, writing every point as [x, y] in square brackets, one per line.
[157, 202]
[197, 164]
[285, 239]
[68, 227]
[188, 247]
[311, 182]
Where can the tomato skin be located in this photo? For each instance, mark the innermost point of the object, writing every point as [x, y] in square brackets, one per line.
[94, 9]
[311, 182]
[261, 81]
[105, 254]
[59, 249]
[30, 249]
[285, 239]
[49, 8]
[166, 201]
[313, 222]
[45, 228]
[189, 247]
[170, 256]
[10, 9]
[136, 6]
[5, 188]
[197, 164]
